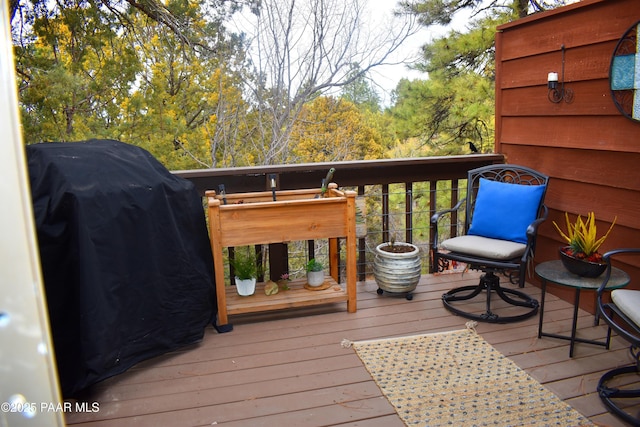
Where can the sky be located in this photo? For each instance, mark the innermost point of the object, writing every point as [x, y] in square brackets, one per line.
[387, 77]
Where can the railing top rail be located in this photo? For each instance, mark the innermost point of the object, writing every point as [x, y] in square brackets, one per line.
[348, 173]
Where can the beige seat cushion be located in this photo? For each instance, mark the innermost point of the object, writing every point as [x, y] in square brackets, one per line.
[484, 247]
[628, 301]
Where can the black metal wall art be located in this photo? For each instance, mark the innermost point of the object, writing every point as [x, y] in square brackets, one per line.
[624, 74]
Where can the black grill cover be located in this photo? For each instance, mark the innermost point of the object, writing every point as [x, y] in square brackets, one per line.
[125, 257]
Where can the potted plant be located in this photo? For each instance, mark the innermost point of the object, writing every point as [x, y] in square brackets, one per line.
[581, 256]
[397, 268]
[284, 281]
[245, 269]
[315, 273]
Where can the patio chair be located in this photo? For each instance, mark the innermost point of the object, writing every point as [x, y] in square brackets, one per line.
[622, 315]
[503, 208]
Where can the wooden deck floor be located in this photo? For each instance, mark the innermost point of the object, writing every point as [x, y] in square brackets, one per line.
[289, 369]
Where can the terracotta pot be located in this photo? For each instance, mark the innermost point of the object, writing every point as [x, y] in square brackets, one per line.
[581, 267]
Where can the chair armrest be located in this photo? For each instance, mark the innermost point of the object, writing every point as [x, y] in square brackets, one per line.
[436, 217]
[532, 229]
[607, 258]
[532, 233]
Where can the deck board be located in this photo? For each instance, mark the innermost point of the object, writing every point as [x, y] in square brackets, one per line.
[288, 367]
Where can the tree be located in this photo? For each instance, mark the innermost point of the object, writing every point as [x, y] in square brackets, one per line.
[302, 49]
[85, 74]
[334, 129]
[441, 12]
[73, 71]
[24, 13]
[359, 90]
[170, 77]
[187, 107]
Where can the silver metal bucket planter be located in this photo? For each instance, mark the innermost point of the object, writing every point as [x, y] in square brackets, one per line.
[397, 272]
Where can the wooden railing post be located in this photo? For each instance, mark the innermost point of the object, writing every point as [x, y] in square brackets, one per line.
[385, 213]
[408, 216]
[433, 190]
[362, 249]
[453, 230]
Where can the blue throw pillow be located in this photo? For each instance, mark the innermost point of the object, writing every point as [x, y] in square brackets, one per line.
[504, 211]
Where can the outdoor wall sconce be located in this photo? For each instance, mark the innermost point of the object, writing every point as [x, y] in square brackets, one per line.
[557, 91]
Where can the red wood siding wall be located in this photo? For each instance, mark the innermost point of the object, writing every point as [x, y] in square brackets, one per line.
[590, 151]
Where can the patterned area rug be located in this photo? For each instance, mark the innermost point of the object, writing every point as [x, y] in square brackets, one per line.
[458, 379]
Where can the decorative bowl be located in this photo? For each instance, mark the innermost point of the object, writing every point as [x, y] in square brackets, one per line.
[581, 267]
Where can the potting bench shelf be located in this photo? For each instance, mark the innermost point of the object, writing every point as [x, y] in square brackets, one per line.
[256, 219]
[296, 296]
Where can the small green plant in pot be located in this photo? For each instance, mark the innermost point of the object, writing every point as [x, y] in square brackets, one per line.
[315, 273]
[245, 269]
[583, 244]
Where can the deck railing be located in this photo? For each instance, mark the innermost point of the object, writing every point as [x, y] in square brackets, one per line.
[400, 196]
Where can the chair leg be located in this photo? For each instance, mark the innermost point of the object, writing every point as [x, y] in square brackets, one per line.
[489, 283]
[607, 394]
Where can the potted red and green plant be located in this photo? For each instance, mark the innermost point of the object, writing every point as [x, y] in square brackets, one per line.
[581, 256]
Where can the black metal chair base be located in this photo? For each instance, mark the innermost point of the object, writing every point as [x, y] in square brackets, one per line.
[607, 394]
[490, 283]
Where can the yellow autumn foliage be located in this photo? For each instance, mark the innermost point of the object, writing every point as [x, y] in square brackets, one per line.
[333, 129]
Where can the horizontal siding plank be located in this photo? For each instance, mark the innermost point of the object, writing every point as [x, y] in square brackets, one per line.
[591, 98]
[604, 133]
[582, 63]
[580, 198]
[580, 26]
[607, 171]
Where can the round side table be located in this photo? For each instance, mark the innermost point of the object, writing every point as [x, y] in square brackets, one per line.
[554, 272]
